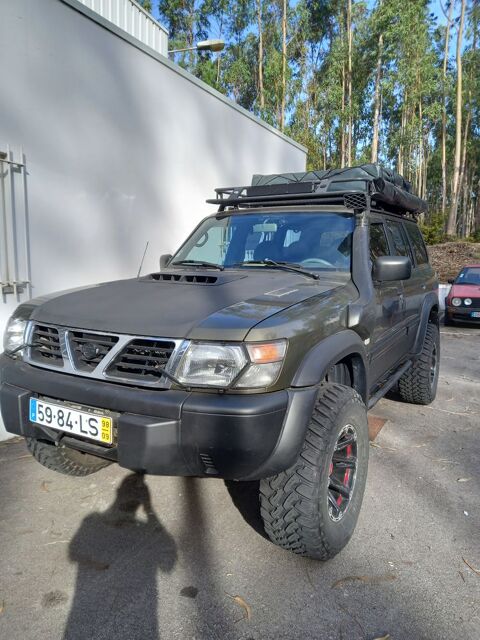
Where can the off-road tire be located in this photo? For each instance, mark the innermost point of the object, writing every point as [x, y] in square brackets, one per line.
[63, 459]
[417, 385]
[294, 504]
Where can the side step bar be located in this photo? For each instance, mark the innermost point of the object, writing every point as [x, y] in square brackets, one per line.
[389, 384]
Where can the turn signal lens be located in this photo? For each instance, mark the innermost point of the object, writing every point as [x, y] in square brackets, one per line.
[267, 352]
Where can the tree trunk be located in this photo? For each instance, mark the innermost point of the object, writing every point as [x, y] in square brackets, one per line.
[444, 111]
[349, 81]
[376, 108]
[284, 65]
[260, 54]
[342, 121]
[452, 217]
[400, 158]
[461, 179]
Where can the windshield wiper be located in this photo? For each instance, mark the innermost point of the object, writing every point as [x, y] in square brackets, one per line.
[286, 266]
[199, 263]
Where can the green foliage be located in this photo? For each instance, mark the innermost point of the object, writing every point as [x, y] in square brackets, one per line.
[434, 229]
[401, 40]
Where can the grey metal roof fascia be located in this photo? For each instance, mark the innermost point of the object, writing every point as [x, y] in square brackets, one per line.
[106, 24]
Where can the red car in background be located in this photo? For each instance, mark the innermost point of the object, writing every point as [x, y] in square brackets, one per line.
[463, 301]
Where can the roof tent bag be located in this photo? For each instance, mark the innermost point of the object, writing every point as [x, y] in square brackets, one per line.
[364, 172]
[386, 187]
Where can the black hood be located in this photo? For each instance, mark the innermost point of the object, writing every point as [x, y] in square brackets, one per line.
[199, 304]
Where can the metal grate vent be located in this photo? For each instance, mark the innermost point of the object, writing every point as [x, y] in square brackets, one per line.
[355, 200]
[189, 278]
[46, 347]
[89, 349]
[142, 360]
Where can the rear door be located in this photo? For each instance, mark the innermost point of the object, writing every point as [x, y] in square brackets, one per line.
[421, 281]
[389, 335]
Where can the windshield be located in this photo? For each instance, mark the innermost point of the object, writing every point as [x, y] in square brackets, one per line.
[469, 275]
[315, 241]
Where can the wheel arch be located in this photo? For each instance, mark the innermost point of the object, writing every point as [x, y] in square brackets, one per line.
[345, 347]
[429, 314]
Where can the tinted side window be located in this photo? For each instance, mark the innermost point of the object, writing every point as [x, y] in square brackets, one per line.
[400, 247]
[378, 241]
[418, 245]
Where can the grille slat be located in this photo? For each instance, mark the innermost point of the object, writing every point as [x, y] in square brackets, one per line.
[142, 360]
[45, 347]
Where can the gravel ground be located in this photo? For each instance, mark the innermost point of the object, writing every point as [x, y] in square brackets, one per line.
[110, 557]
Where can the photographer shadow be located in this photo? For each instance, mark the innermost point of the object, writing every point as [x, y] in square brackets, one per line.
[119, 553]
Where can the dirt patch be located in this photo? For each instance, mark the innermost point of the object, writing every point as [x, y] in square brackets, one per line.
[448, 258]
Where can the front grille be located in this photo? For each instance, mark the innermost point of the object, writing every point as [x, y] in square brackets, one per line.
[475, 303]
[45, 347]
[142, 360]
[89, 349]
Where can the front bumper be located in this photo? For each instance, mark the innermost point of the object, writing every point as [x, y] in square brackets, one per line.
[243, 437]
[461, 314]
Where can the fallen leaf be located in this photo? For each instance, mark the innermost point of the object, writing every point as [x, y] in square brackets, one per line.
[387, 637]
[44, 486]
[477, 571]
[463, 479]
[378, 446]
[2, 607]
[440, 459]
[241, 603]
[386, 577]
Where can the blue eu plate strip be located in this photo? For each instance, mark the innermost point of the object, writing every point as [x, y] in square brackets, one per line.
[33, 409]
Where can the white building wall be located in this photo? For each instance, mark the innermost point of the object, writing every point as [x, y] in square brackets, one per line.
[121, 146]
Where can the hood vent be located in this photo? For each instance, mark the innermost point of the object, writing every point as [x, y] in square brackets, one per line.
[184, 278]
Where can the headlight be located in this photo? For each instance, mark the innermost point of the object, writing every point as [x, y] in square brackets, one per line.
[456, 302]
[14, 335]
[211, 365]
[222, 365]
[467, 301]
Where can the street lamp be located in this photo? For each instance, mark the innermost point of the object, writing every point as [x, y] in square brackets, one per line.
[204, 45]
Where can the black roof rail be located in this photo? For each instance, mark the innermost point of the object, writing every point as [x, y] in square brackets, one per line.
[356, 188]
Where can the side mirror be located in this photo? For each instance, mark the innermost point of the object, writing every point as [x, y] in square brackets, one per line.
[164, 260]
[389, 268]
[451, 280]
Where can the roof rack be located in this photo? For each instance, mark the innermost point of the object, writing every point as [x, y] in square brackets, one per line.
[357, 188]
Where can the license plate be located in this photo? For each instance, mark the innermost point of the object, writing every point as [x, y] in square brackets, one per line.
[475, 314]
[79, 423]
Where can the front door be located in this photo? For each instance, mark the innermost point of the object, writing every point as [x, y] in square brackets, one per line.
[389, 338]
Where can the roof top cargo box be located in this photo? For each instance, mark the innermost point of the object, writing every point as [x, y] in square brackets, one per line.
[355, 187]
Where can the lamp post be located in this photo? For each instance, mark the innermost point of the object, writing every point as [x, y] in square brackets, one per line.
[204, 45]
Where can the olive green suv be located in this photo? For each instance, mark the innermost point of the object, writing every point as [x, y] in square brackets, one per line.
[253, 353]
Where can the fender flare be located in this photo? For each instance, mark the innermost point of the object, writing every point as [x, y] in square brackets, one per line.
[430, 301]
[328, 352]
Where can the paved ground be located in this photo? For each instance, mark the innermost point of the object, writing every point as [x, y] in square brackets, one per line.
[108, 557]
